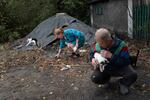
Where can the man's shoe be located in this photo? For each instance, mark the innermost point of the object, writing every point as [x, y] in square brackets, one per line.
[124, 90]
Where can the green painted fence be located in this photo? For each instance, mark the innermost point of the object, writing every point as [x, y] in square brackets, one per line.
[141, 22]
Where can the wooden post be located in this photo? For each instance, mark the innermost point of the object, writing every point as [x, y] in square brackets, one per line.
[130, 18]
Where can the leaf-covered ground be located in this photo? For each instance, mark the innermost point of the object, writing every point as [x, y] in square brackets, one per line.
[37, 75]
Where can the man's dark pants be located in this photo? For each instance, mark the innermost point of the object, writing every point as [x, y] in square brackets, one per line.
[127, 73]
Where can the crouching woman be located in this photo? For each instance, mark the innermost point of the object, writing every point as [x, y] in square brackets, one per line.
[72, 38]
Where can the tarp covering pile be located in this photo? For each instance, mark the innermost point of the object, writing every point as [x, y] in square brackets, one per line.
[44, 31]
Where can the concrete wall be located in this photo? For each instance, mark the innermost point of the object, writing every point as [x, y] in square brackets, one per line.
[114, 15]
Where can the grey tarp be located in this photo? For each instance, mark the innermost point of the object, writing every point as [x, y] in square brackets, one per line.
[43, 32]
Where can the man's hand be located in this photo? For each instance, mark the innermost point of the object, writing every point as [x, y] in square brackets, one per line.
[95, 63]
[106, 54]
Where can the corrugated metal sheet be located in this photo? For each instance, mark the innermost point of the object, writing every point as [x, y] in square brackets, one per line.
[141, 21]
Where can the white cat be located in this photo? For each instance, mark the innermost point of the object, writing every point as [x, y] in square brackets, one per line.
[31, 41]
[102, 61]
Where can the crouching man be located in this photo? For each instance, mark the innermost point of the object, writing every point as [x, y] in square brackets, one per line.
[116, 53]
[72, 38]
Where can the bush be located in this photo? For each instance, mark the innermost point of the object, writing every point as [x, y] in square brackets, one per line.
[19, 17]
[13, 36]
[6, 35]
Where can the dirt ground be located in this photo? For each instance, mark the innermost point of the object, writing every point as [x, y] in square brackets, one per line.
[37, 75]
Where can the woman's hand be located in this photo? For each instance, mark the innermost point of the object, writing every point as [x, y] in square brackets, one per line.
[106, 54]
[76, 46]
[75, 49]
[69, 45]
[58, 54]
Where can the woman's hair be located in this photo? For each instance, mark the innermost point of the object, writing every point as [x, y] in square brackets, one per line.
[58, 30]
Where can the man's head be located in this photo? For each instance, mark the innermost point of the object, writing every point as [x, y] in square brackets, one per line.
[58, 32]
[103, 37]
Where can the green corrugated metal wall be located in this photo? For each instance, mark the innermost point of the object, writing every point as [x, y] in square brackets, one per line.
[141, 22]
